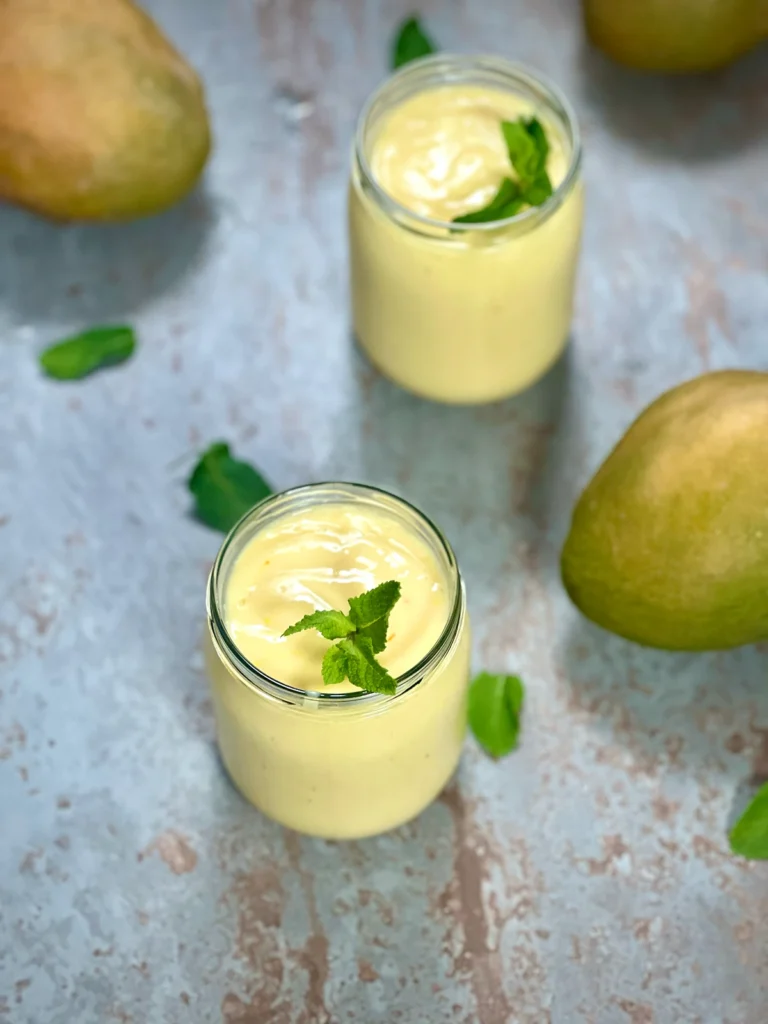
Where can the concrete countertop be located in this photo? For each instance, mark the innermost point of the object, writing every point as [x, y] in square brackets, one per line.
[586, 879]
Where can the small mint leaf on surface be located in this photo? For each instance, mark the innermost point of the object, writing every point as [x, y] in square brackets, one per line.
[410, 43]
[225, 488]
[495, 704]
[749, 836]
[77, 356]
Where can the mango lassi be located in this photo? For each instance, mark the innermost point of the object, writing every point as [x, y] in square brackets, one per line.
[336, 761]
[460, 313]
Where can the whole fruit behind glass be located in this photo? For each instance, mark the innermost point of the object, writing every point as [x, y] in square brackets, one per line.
[676, 35]
[668, 544]
[100, 117]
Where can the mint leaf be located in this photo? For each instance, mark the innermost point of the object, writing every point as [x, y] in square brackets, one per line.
[749, 836]
[81, 354]
[363, 669]
[539, 190]
[374, 604]
[224, 488]
[334, 666]
[505, 203]
[376, 633]
[523, 151]
[528, 150]
[535, 129]
[495, 704]
[331, 624]
[371, 613]
[411, 42]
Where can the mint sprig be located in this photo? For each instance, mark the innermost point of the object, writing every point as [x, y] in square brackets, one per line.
[81, 354]
[410, 43]
[528, 150]
[495, 706]
[749, 836]
[361, 635]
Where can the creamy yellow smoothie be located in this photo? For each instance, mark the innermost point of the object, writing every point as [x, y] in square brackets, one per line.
[335, 761]
[461, 313]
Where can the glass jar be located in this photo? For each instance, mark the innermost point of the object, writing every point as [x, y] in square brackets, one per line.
[339, 765]
[463, 313]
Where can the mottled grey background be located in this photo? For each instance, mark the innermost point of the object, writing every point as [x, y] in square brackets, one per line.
[586, 879]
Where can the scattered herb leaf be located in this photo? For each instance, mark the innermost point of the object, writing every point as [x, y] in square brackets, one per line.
[749, 836]
[81, 354]
[224, 488]
[411, 42]
[495, 704]
[362, 635]
[528, 149]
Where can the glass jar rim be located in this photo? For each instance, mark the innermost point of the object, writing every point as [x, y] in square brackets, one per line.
[451, 65]
[253, 677]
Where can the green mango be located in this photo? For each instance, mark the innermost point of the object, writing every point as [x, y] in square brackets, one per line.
[675, 35]
[668, 544]
[100, 118]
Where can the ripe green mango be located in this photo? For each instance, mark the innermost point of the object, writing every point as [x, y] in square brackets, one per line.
[668, 544]
[675, 35]
[100, 118]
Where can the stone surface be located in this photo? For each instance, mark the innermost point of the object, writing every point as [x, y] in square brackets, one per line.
[587, 878]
